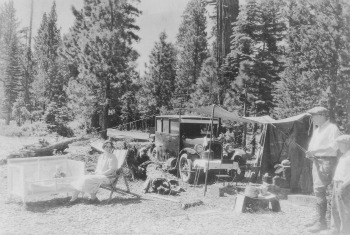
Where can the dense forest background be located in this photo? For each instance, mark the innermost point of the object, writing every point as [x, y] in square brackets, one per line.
[281, 57]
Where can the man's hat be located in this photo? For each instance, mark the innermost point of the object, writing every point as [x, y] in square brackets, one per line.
[319, 111]
[343, 139]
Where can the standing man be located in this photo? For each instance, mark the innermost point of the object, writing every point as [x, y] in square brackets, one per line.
[323, 152]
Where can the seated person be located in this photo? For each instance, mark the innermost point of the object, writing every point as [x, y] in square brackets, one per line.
[105, 170]
[229, 151]
[236, 155]
[142, 156]
[139, 166]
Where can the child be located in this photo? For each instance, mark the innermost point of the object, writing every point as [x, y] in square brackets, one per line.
[59, 172]
[341, 189]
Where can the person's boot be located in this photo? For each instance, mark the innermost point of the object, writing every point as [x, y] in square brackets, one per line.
[317, 227]
[321, 224]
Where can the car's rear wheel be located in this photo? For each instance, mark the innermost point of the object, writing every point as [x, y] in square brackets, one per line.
[187, 173]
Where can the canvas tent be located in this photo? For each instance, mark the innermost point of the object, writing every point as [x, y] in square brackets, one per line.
[280, 139]
[287, 139]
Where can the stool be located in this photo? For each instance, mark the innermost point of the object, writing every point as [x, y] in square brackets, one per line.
[263, 202]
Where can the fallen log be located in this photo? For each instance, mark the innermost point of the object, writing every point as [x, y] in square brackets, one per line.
[45, 151]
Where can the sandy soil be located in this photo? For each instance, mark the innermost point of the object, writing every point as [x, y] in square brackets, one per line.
[127, 215]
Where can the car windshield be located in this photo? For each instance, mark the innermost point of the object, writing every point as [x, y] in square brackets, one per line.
[196, 130]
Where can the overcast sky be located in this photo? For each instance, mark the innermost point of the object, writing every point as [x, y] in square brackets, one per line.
[158, 15]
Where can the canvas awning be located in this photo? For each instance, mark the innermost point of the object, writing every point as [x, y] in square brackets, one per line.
[230, 116]
[262, 119]
[292, 119]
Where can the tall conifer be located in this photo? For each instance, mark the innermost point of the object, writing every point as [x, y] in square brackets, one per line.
[319, 58]
[158, 83]
[50, 75]
[100, 45]
[255, 60]
[192, 47]
[9, 58]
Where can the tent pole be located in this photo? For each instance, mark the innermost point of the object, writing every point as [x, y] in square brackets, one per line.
[180, 140]
[211, 139]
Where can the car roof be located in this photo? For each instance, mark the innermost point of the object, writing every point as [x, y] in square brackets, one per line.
[190, 119]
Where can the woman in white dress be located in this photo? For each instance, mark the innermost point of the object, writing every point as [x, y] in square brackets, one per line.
[105, 170]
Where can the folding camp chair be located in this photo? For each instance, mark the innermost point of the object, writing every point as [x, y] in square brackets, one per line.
[121, 172]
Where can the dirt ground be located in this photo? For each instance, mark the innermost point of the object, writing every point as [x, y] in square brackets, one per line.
[145, 215]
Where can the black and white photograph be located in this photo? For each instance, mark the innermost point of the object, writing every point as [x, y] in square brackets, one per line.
[175, 117]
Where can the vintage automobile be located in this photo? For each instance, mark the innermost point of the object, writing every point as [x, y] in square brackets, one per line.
[186, 141]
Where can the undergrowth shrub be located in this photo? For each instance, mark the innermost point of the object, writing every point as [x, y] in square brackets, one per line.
[78, 127]
[57, 118]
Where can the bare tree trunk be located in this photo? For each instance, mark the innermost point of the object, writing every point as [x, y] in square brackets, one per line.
[245, 114]
[105, 119]
[332, 103]
[105, 110]
[8, 117]
[95, 120]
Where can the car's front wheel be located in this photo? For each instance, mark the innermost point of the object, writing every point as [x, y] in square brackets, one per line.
[187, 172]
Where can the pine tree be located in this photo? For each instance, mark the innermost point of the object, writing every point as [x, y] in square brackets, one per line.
[319, 37]
[158, 84]
[50, 77]
[255, 60]
[13, 74]
[27, 64]
[295, 92]
[9, 59]
[129, 106]
[100, 45]
[192, 47]
[19, 111]
[207, 89]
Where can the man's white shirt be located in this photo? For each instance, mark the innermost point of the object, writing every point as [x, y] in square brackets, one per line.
[324, 136]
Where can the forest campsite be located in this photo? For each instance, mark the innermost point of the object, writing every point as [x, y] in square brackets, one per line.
[174, 116]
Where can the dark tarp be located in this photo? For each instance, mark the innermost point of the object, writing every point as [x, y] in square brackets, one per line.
[278, 141]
